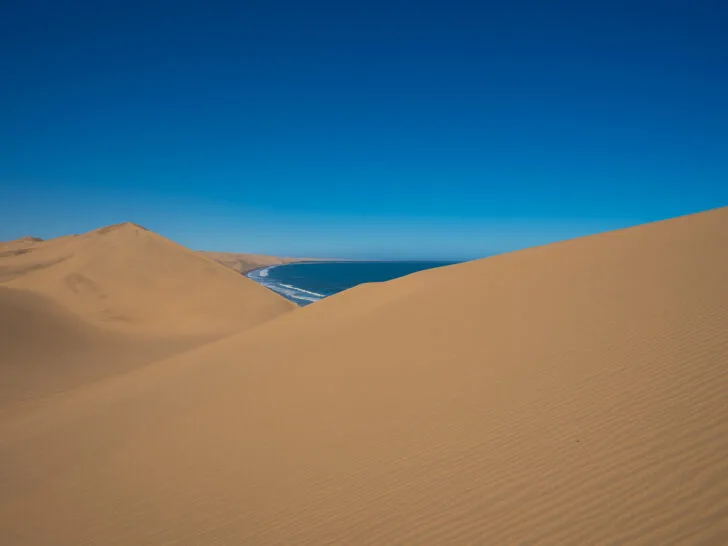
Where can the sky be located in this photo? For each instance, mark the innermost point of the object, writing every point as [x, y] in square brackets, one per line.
[382, 130]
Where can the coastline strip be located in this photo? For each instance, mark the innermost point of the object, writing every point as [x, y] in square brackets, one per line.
[288, 291]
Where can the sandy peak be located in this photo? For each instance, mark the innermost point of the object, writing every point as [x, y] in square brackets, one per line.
[123, 226]
[27, 239]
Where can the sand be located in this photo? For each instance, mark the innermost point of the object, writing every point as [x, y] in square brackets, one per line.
[242, 263]
[575, 393]
[82, 307]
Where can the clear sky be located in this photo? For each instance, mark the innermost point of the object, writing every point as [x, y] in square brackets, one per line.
[395, 129]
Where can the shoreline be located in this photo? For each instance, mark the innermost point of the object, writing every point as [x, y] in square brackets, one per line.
[304, 296]
[294, 294]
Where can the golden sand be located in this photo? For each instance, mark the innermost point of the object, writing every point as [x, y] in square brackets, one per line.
[575, 393]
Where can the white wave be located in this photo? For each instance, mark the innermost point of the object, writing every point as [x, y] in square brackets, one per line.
[292, 292]
[316, 294]
[259, 274]
[289, 291]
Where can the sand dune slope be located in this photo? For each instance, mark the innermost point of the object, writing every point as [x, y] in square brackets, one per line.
[242, 263]
[128, 277]
[45, 349]
[11, 247]
[570, 394]
[81, 307]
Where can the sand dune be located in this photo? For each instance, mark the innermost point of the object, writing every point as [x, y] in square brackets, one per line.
[242, 263]
[47, 349]
[81, 307]
[575, 393]
[8, 248]
[127, 277]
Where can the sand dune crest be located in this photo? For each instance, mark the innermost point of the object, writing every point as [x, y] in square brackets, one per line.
[82, 307]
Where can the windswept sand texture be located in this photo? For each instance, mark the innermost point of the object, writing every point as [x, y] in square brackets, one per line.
[81, 307]
[575, 393]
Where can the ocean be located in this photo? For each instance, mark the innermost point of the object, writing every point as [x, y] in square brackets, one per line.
[306, 282]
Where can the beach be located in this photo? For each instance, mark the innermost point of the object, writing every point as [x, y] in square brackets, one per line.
[299, 296]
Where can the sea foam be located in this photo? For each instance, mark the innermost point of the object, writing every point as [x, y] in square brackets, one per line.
[288, 291]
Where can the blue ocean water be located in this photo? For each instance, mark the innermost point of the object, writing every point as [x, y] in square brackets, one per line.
[307, 282]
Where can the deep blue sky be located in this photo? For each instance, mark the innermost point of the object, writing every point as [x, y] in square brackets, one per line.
[361, 129]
